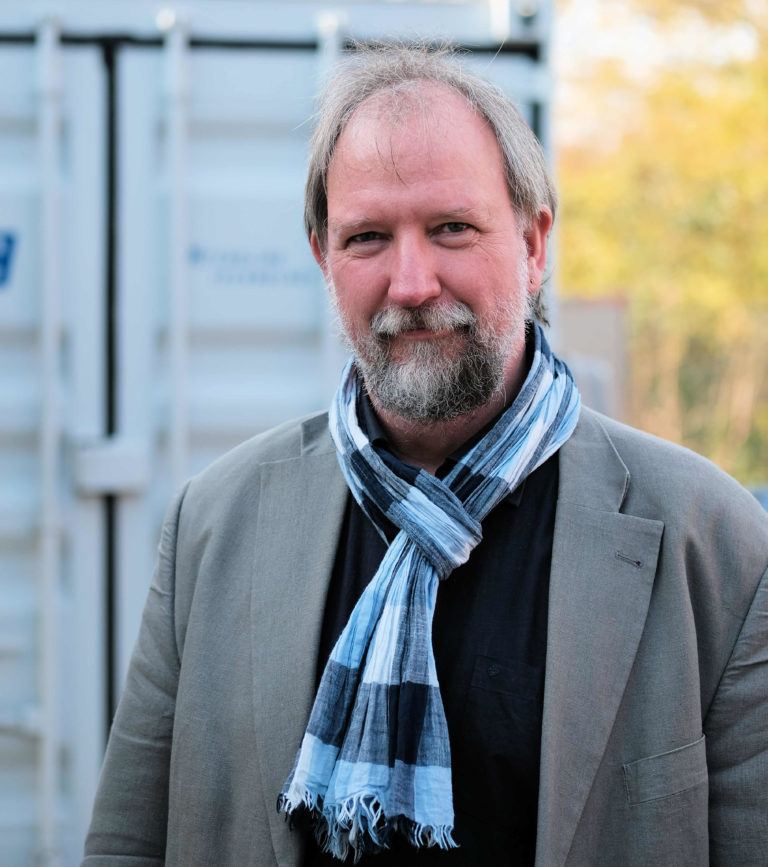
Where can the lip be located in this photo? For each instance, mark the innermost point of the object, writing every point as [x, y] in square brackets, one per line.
[425, 334]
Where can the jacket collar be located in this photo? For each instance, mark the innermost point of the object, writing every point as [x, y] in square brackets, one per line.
[301, 507]
[603, 568]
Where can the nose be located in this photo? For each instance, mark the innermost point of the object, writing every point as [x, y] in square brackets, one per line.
[413, 277]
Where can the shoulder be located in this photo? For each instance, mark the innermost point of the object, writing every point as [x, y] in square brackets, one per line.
[232, 481]
[656, 462]
[668, 482]
[713, 542]
[212, 526]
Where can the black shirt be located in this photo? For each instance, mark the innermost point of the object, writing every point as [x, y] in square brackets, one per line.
[489, 639]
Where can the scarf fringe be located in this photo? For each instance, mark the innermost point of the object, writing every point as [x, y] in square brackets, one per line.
[358, 823]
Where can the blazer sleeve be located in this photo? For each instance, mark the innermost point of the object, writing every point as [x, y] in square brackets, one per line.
[129, 821]
[737, 746]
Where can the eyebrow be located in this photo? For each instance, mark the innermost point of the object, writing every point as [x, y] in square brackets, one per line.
[351, 228]
[354, 227]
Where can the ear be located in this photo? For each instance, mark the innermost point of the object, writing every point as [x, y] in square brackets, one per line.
[314, 243]
[536, 246]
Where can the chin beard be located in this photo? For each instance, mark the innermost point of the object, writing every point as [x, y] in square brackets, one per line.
[438, 380]
[428, 386]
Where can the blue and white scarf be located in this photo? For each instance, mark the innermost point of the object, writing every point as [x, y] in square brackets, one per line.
[375, 757]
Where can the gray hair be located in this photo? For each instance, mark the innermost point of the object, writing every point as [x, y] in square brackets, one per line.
[397, 68]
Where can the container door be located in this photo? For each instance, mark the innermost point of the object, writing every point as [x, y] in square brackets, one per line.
[224, 326]
[52, 717]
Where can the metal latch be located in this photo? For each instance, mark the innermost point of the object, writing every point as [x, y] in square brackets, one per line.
[115, 465]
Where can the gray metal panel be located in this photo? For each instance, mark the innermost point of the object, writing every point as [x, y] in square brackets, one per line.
[30, 826]
[470, 22]
[256, 331]
[20, 396]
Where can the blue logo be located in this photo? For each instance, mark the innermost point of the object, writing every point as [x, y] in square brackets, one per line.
[233, 266]
[7, 246]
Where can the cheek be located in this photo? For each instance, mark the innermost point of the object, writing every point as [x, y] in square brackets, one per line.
[361, 287]
[351, 301]
[476, 270]
[469, 280]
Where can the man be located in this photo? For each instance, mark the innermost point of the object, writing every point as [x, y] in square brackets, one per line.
[475, 624]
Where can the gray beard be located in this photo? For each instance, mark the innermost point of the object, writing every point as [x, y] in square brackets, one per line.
[428, 387]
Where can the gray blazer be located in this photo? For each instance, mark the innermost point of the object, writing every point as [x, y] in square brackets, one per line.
[655, 725]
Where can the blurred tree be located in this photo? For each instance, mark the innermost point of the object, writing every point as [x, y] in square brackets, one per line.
[673, 211]
[725, 11]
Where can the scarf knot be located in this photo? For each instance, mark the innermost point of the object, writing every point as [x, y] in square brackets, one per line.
[436, 522]
[375, 756]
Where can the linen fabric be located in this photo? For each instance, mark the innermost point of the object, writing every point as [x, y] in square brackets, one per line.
[375, 757]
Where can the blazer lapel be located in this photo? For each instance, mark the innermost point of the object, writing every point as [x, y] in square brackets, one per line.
[301, 508]
[603, 567]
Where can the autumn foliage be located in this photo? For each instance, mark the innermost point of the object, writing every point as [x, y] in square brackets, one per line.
[669, 207]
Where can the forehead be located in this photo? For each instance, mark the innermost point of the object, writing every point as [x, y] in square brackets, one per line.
[405, 133]
[409, 100]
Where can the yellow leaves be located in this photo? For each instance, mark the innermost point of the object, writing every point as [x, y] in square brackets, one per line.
[675, 216]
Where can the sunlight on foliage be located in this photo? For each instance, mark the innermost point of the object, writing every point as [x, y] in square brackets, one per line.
[674, 215]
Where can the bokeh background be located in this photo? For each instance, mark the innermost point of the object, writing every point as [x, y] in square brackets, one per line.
[661, 146]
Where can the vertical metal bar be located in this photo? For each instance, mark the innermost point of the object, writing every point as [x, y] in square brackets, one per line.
[109, 50]
[329, 32]
[49, 91]
[177, 97]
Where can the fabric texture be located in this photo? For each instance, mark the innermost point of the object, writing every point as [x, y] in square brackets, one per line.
[375, 757]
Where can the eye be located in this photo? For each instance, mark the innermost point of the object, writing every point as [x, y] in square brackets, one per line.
[364, 238]
[454, 233]
[454, 228]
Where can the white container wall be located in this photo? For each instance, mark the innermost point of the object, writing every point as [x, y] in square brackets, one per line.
[158, 305]
[51, 397]
[218, 289]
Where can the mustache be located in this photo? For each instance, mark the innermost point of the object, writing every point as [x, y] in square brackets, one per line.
[393, 321]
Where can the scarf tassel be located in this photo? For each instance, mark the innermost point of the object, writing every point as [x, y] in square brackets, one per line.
[358, 823]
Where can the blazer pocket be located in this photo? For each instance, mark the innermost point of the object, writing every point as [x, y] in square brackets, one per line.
[666, 774]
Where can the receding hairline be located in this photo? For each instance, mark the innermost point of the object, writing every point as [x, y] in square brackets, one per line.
[411, 94]
[395, 106]
[403, 70]
[394, 103]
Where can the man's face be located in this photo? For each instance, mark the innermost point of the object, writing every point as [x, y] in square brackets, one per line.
[428, 267]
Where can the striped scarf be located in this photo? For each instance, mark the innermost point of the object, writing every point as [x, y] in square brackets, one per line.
[375, 757]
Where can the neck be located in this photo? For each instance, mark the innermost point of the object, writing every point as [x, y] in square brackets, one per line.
[428, 444]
